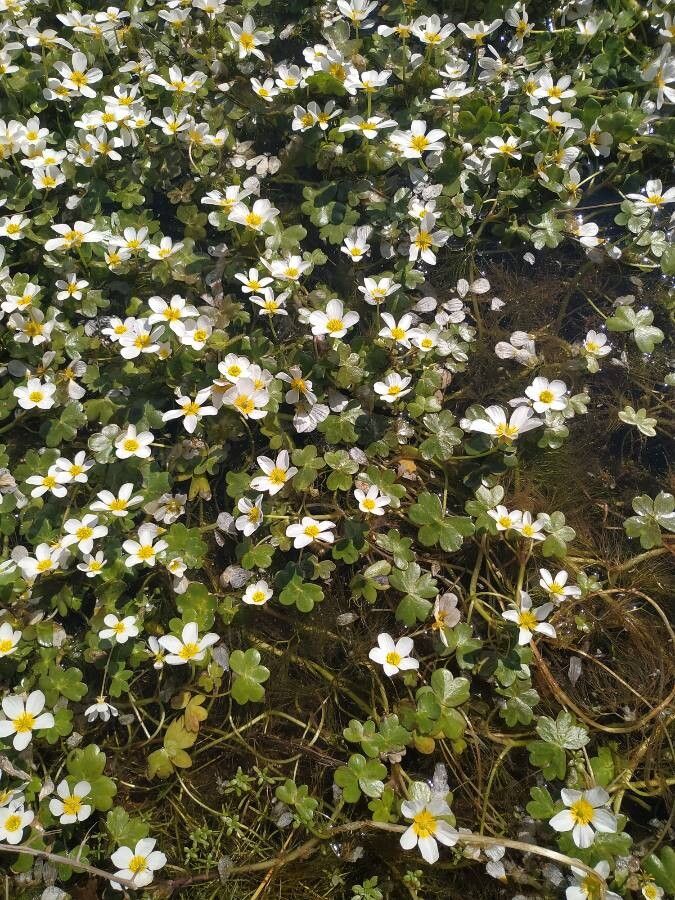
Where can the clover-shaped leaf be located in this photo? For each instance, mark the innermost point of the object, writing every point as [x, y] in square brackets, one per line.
[652, 516]
[88, 764]
[248, 676]
[360, 775]
[302, 594]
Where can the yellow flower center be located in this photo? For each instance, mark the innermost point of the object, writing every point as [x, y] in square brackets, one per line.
[505, 521]
[398, 333]
[247, 40]
[131, 445]
[6, 645]
[199, 336]
[191, 409]
[253, 220]
[423, 240]
[147, 551]
[253, 514]
[33, 329]
[84, 533]
[244, 404]
[527, 619]
[393, 658]
[368, 504]
[118, 504]
[138, 864]
[419, 142]
[424, 824]
[334, 325]
[394, 389]
[546, 397]
[36, 396]
[312, 531]
[44, 565]
[655, 199]
[13, 823]
[277, 475]
[24, 722]
[582, 812]
[72, 805]
[119, 628]
[258, 597]
[188, 651]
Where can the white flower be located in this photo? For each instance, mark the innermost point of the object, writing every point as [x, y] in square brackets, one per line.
[497, 146]
[334, 321]
[13, 820]
[46, 559]
[75, 470]
[83, 532]
[69, 808]
[427, 827]
[654, 197]
[100, 710]
[372, 501]
[505, 519]
[247, 399]
[374, 291]
[189, 647]
[650, 891]
[9, 639]
[168, 508]
[300, 387]
[252, 515]
[547, 394]
[529, 529]
[117, 505]
[35, 394]
[393, 656]
[254, 218]
[308, 530]
[133, 443]
[595, 344]
[194, 332]
[191, 411]
[269, 304]
[423, 240]
[77, 77]
[164, 249]
[118, 630]
[170, 313]
[252, 282]
[530, 620]
[584, 887]
[276, 473]
[356, 245]
[393, 387]
[144, 550]
[417, 141]
[23, 717]
[138, 865]
[400, 332]
[92, 565]
[356, 10]
[248, 39]
[585, 814]
[521, 420]
[257, 594]
[73, 237]
[557, 587]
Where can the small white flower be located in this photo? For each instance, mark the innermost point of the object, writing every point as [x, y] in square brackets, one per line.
[371, 502]
[191, 411]
[584, 887]
[134, 443]
[393, 656]
[309, 530]
[83, 532]
[530, 621]
[117, 504]
[118, 630]
[276, 473]
[393, 387]
[547, 394]
[23, 717]
[144, 550]
[428, 827]
[557, 587]
[251, 517]
[13, 820]
[334, 322]
[100, 710]
[138, 865]
[504, 519]
[35, 394]
[257, 594]
[68, 806]
[521, 421]
[9, 639]
[585, 814]
[189, 647]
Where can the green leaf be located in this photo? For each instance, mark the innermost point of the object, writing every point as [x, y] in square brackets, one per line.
[549, 758]
[125, 830]
[297, 796]
[418, 587]
[88, 764]
[445, 436]
[449, 690]
[343, 466]
[62, 682]
[187, 543]
[397, 546]
[258, 557]
[652, 515]
[541, 806]
[603, 768]
[639, 321]
[559, 535]
[360, 775]
[248, 676]
[563, 732]
[302, 594]
[662, 868]
[197, 605]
